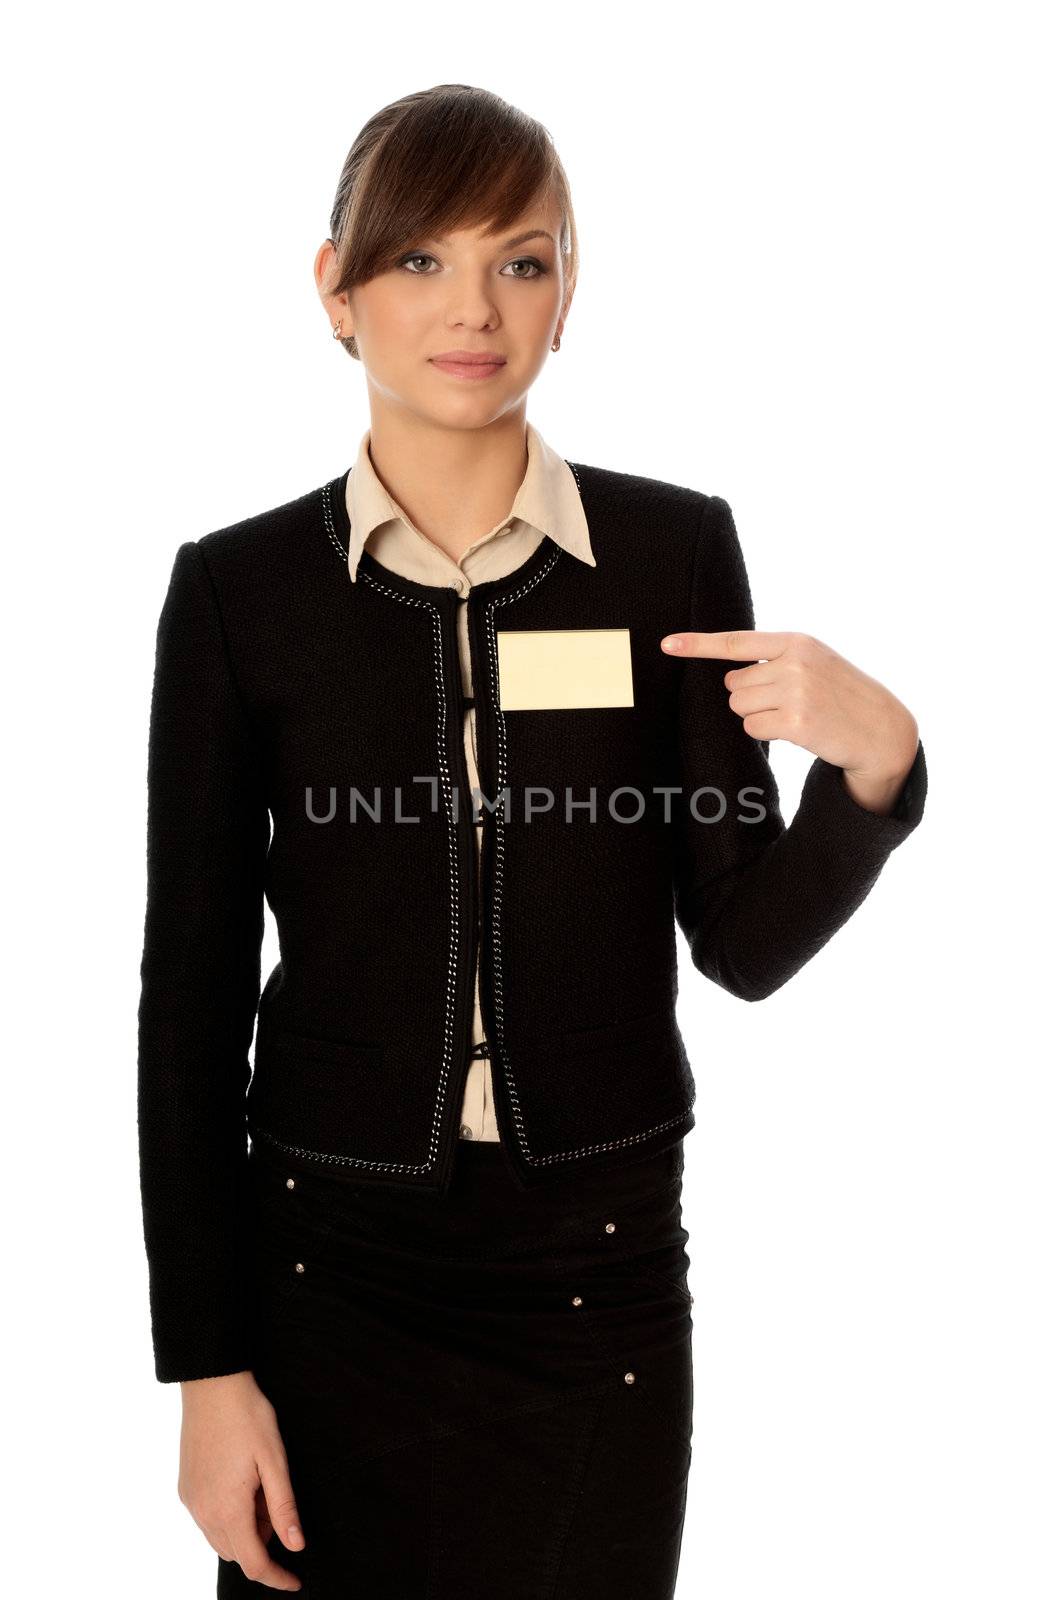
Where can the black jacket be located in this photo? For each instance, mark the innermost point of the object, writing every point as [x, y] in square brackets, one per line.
[278, 681]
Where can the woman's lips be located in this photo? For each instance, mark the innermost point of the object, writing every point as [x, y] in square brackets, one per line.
[466, 369]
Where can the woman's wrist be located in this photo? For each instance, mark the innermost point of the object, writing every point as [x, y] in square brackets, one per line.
[878, 787]
[874, 794]
[192, 1388]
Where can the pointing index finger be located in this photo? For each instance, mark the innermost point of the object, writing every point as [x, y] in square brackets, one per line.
[733, 644]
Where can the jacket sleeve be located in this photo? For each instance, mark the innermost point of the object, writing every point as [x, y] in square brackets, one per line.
[756, 899]
[207, 837]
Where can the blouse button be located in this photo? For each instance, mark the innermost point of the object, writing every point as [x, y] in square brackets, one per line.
[610, 1227]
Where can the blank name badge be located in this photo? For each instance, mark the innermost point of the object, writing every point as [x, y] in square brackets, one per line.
[558, 669]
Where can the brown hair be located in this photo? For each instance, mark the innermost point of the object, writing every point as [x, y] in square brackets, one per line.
[453, 156]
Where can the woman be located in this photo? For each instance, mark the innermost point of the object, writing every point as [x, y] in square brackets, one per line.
[433, 1333]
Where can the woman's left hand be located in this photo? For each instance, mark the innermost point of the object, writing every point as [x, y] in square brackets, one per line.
[799, 689]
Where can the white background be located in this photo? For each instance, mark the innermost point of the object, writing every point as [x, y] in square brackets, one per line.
[820, 278]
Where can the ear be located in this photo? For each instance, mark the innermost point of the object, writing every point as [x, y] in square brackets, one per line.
[565, 304]
[324, 274]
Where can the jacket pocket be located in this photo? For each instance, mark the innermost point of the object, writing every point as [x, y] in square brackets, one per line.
[321, 1049]
[610, 1085]
[311, 1093]
[624, 1033]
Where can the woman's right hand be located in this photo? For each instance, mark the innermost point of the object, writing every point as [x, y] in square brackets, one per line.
[234, 1475]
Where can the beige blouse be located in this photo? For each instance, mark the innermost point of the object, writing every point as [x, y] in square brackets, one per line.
[547, 503]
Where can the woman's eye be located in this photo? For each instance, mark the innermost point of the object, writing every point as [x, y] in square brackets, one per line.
[528, 261]
[537, 269]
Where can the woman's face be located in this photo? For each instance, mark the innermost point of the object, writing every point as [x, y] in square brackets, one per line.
[497, 295]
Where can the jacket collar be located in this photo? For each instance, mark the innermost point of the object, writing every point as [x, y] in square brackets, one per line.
[548, 499]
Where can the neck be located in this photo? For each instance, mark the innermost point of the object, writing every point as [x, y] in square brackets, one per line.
[454, 484]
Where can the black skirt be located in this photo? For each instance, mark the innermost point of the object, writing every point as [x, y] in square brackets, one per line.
[481, 1395]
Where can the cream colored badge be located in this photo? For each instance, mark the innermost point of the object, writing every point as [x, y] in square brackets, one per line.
[558, 669]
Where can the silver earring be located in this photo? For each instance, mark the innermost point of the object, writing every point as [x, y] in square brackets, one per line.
[557, 343]
[336, 334]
